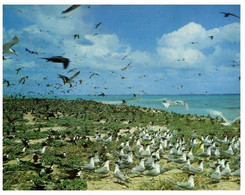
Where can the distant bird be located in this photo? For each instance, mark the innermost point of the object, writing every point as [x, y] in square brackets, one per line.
[167, 103]
[124, 57]
[228, 122]
[76, 36]
[59, 59]
[97, 25]
[7, 46]
[68, 80]
[124, 102]
[226, 14]
[31, 52]
[95, 34]
[7, 82]
[70, 9]
[93, 74]
[72, 70]
[102, 94]
[211, 37]
[23, 80]
[127, 67]
[18, 70]
[193, 42]
[80, 81]
[189, 184]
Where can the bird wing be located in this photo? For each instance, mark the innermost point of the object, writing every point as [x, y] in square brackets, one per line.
[70, 9]
[120, 175]
[215, 112]
[65, 62]
[75, 75]
[235, 119]
[184, 103]
[11, 43]
[234, 15]
[64, 78]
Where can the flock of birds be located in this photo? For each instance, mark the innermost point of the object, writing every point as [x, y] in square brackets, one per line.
[7, 49]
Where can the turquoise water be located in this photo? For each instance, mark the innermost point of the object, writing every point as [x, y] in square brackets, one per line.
[198, 104]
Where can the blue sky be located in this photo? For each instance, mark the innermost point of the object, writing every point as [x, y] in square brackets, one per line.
[155, 38]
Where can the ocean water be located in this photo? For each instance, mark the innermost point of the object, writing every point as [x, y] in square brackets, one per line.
[198, 104]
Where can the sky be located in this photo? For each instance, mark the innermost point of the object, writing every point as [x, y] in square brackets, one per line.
[167, 49]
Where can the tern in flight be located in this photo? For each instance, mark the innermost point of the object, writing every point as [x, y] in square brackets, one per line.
[68, 80]
[167, 103]
[228, 122]
[7, 46]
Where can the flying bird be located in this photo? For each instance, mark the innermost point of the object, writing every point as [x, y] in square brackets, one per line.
[23, 80]
[72, 70]
[7, 46]
[167, 103]
[211, 37]
[59, 59]
[18, 70]
[70, 9]
[7, 82]
[31, 52]
[68, 80]
[97, 25]
[127, 67]
[94, 74]
[226, 14]
[228, 122]
[76, 36]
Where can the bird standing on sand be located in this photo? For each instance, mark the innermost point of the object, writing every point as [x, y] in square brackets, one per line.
[105, 169]
[216, 174]
[118, 174]
[228, 122]
[7, 46]
[58, 59]
[189, 184]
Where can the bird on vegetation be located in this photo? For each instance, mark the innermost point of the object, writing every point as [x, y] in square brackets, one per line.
[58, 59]
[7, 46]
[40, 152]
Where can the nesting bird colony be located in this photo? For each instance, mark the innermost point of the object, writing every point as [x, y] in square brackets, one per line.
[52, 144]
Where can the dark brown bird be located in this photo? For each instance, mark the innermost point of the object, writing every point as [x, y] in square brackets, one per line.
[59, 59]
[226, 14]
[97, 25]
[70, 9]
